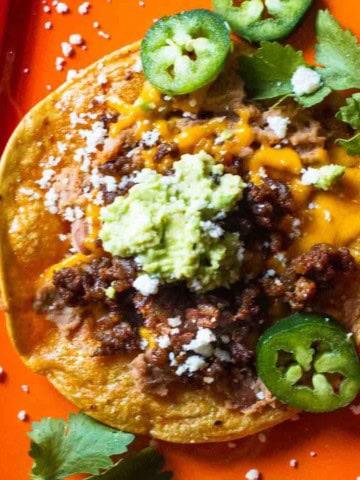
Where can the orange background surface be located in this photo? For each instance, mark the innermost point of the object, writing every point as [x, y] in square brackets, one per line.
[24, 43]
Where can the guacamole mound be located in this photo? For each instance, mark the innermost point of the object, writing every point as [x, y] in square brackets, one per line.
[167, 224]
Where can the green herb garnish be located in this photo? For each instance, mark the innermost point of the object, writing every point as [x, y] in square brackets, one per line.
[82, 445]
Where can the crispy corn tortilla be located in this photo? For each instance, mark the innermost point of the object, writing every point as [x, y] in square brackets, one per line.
[101, 387]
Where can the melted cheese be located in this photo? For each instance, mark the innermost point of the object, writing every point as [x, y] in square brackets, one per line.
[335, 218]
[284, 159]
[191, 139]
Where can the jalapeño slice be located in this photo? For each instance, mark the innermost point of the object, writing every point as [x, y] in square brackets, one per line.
[184, 52]
[309, 362]
[258, 20]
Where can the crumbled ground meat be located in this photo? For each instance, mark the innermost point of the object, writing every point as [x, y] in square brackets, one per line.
[260, 216]
[315, 270]
[118, 329]
[268, 202]
[236, 318]
[87, 283]
[164, 149]
[120, 166]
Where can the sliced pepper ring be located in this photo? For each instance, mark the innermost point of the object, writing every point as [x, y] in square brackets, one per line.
[184, 52]
[247, 17]
[309, 362]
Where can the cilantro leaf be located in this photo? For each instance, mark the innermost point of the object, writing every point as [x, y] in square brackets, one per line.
[308, 101]
[145, 465]
[350, 113]
[267, 73]
[81, 445]
[338, 51]
[352, 145]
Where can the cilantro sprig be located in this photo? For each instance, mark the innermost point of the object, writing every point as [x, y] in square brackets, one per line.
[82, 445]
[268, 72]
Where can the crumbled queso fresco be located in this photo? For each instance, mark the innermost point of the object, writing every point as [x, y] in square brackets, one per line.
[305, 81]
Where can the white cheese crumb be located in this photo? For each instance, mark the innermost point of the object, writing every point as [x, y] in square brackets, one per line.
[48, 25]
[202, 342]
[95, 136]
[305, 81]
[46, 177]
[192, 364]
[25, 388]
[278, 125]
[164, 341]
[143, 344]
[262, 437]
[50, 200]
[212, 229]
[222, 355]
[29, 192]
[100, 99]
[73, 213]
[62, 147]
[47, 9]
[63, 237]
[84, 8]
[71, 75]
[146, 285]
[293, 463]
[2, 374]
[150, 137]
[109, 182]
[208, 380]
[102, 79]
[67, 49]
[59, 63]
[22, 415]
[62, 8]
[75, 119]
[99, 199]
[173, 362]
[137, 67]
[76, 39]
[174, 321]
[141, 4]
[225, 339]
[96, 25]
[252, 474]
[260, 395]
[103, 35]
[313, 454]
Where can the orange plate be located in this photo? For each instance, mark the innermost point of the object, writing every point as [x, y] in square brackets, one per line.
[335, 438]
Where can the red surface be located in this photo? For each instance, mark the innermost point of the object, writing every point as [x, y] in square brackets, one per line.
[334, 437]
